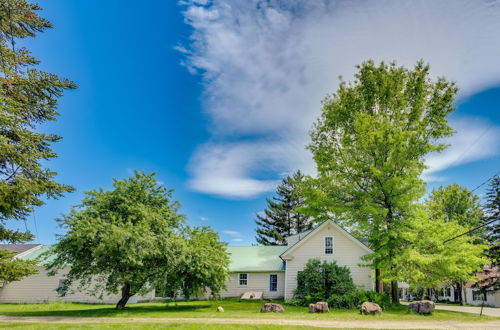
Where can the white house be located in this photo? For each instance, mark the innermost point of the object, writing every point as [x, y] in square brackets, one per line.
[271, 270]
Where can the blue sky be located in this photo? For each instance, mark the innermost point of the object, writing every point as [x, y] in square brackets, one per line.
[217, 96]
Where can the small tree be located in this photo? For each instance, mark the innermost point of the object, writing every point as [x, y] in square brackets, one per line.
[131, 238]
[427, 259]
[320, 280]
[203, 264]
[282, 217]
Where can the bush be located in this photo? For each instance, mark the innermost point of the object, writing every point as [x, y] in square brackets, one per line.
[321, 280]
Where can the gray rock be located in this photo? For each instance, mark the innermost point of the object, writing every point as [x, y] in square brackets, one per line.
[319, 307]
[422, 307]
[220, 309]
[272, 307]
[369, 308]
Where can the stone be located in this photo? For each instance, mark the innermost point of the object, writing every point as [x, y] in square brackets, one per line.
[252, 295]
[369, 308]
[220, 309]
[422, 307]
[319, 307]
[272, 307]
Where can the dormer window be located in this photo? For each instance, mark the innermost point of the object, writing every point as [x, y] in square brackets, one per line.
[328, 245]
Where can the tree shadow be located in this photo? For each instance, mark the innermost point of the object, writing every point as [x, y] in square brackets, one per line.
[110, 311]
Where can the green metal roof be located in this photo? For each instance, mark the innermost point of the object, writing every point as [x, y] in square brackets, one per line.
[37, 253]
[243, 258]
[256, 258]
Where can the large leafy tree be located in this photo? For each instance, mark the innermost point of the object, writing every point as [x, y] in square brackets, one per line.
[283, 216]
[28, 98]
[369, 146]
[129, 239]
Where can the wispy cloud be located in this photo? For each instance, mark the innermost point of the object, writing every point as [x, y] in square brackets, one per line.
[267, 64]
[237, 240]
[232, 233]
[203, 218]
[475, 139]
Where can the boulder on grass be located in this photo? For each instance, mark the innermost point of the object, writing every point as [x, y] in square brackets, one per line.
[272, 307]
[422, 307]
[319, 307]
[220, 309]
[369, 308]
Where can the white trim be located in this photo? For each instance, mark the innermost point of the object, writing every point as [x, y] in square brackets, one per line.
[276, 282]
[324, 247]
[19, 255]
[239, 279]
[342, 230]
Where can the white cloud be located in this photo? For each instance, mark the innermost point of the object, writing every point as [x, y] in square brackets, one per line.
[232, 233]
[267, 64]
[237, 240]
[475, 139]
[203, 218]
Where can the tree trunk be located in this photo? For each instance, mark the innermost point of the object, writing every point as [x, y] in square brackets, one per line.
[394, 292]
[379, 287]
[125, 296]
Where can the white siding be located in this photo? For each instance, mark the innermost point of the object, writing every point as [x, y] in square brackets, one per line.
[256, 282]
[40, 288]
[491, 299]
[346, 253]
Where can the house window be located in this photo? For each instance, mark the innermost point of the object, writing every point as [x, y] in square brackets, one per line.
[243, 279]
[328, 245]
[476, 295]
[448, 292]
[273, 282]
[60, 286]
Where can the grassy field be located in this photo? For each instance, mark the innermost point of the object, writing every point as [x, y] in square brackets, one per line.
[207, 309]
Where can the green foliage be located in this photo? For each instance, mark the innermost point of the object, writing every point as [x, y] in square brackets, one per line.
[426, 260]
[202, 265]
[283, 217]
[28, 99]
[369, 146]
[14, 269]
[492, 214]
[133, 238]
[320, 280]
[455, 203]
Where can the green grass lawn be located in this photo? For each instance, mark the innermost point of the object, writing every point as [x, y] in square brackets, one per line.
[234, 308]
[31, 326]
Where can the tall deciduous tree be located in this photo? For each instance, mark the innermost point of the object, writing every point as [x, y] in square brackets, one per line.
[283, 217]
[130, 239]
[369, 146]
[28, 98]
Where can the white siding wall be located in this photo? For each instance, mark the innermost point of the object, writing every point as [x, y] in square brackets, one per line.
[491, 299]
[346, 253]
[40, 288]
[256, 282]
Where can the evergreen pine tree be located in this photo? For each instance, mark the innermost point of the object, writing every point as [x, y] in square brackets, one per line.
[492, 211]
[28, 98]
[281, 218]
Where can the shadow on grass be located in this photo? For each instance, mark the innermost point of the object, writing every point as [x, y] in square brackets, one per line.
[111, 311]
